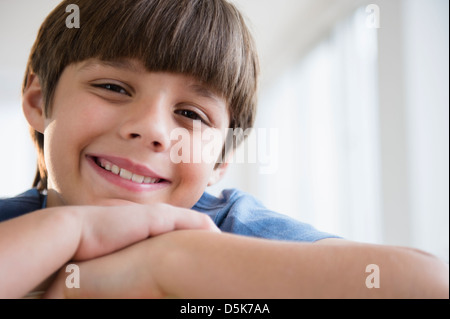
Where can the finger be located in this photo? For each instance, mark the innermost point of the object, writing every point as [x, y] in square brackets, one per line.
[175, 218]
[107, 229]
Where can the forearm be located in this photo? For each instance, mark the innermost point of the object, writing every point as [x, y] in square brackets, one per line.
[34, 246]
[200, 264]
[205, 265]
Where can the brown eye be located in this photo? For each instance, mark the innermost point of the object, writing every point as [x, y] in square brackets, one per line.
[113, 87]
[191, 115]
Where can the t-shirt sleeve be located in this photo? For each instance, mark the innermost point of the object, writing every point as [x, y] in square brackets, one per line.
[24, 203]
[243, 214]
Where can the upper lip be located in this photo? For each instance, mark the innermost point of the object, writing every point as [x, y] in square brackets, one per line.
[129, 165]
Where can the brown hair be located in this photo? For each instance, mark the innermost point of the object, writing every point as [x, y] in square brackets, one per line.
[207, 39]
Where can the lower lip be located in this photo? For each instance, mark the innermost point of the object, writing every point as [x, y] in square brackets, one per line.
[123, 183]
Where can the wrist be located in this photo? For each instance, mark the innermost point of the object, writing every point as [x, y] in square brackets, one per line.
[70, 220]
[184, 264]
[167, 258]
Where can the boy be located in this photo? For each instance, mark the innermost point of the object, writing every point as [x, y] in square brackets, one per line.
[107, 104]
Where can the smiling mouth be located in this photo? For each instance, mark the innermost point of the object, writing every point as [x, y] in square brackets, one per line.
[125, 174]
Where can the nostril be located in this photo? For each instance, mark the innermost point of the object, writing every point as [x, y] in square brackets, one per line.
[134, 135]
[156, 144]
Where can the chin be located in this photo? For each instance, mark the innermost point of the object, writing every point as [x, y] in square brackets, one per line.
[124, 202]
[111, 202]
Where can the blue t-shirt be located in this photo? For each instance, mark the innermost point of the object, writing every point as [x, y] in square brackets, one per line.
[233, 211]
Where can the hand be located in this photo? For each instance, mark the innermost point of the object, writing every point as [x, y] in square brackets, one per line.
[51, 237]
[107, 229]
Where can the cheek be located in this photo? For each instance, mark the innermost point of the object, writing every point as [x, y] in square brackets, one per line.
[212, 142]
[194, 173]
[81, 120]
[74, 124]
[198, 147]
[195, 156]
[193, 180]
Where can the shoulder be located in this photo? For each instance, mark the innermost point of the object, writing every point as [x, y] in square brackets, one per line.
[21, 204]
[238, 212]
[227, 197]
[231, 203]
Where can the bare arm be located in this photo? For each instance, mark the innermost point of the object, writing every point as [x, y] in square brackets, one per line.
[196, 264]
[34, 246]
[266, 269]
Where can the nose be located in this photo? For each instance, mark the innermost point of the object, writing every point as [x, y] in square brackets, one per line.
[147, 123]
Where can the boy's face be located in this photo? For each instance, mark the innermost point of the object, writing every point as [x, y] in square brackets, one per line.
[116, 133]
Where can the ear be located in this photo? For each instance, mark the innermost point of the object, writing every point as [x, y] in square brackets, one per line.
[220, 170]
[217, 174]
[32, 103]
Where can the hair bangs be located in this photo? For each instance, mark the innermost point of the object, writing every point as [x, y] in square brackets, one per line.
[194, 37]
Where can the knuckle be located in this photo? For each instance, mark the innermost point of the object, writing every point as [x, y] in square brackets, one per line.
[206, 221]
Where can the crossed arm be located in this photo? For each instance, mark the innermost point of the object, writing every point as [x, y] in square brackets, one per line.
[34, 246]
[199, 264]
[195, 261]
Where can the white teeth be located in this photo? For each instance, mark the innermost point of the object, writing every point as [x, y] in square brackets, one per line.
[137, 178]
[127, 174]
[149, 180]
[115, 169]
